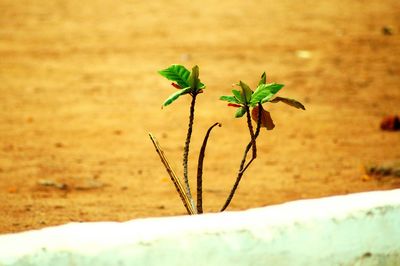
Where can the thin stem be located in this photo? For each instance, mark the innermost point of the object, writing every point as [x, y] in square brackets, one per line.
[252, 142]
[186, 149]
[250, 126]
[258, 121]
[174, 178]
[243, 168]
[200, 170]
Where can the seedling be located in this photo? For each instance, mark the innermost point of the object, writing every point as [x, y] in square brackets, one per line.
[249, 103]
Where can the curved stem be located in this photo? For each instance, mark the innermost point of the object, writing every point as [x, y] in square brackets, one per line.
[200, 170]
[242, 168]
[186, 148]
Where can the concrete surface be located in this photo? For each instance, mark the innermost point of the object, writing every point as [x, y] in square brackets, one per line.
[356, 229]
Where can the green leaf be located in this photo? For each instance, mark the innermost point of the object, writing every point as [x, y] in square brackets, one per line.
[291, 102]
[238, 95]
[231, 99]
[194, 77]
[264, 92]
[177, 73]
[194, 80]
[273, 88]
[240, 112]
[176, 95]
[263, 79]
[261, 92]
[246, 91]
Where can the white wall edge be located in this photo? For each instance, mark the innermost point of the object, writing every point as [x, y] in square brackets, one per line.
[356, 229]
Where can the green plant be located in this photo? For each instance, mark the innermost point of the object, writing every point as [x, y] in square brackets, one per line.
[247, 102]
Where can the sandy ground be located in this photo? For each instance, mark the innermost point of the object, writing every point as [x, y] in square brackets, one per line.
[80, 91]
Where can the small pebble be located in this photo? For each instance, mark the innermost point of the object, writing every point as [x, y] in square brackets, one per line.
[390, 123]
[117, 132]
[58, 145]
[386, 30]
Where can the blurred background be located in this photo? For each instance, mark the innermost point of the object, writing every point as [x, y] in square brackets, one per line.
[79, 93]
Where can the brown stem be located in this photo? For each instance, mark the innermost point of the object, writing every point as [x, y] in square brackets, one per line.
[258, 121]
[186, 148]
[243, 168]
[174, 178]
[200, 170]
[251, 130]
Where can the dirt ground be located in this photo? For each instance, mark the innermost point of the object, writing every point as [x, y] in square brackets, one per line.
[80, 91]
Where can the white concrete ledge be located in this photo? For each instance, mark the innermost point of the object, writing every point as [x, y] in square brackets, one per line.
[357, 229]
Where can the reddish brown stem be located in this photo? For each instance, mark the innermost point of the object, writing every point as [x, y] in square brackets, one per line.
[243, 168]
[186, 148]
[200, 170]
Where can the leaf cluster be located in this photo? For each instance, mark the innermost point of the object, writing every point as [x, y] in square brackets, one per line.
[265, 92]
[187, 82]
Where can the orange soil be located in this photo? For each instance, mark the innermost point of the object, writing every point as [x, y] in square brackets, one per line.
[79, 93]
